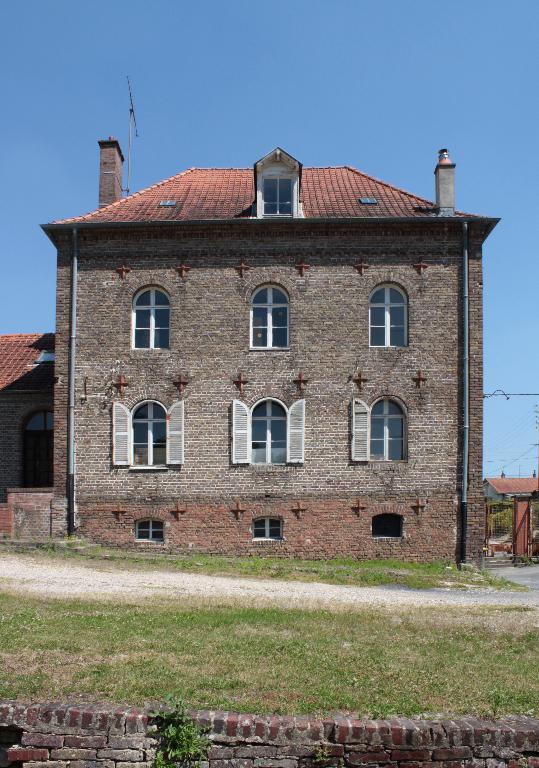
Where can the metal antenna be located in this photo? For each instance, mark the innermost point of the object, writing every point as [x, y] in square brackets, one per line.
[132, 125]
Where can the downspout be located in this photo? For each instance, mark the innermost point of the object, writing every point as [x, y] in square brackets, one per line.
[465, 396]
[71, 390]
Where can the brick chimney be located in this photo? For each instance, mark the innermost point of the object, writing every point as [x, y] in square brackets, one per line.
[110, 171]
[445, 184]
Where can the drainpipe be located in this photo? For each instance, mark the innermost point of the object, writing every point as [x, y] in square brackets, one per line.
[71, 390]
[465, 396]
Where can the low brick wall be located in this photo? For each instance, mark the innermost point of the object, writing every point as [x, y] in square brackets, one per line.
[62, 736]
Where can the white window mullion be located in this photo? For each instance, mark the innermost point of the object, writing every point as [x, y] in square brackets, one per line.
[150, 434]
[269, 317]
[152, 319]
[268, 440]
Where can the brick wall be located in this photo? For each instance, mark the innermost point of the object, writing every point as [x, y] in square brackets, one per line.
[15, 407]
[30, 510]
[64, 736]
[329, 341]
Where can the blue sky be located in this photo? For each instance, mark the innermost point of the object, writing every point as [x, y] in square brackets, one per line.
[378, 84]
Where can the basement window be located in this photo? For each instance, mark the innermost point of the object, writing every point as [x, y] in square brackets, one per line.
[387, 526]
[268, 528]
[149, 530]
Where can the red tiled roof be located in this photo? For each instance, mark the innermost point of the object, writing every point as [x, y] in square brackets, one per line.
[513, 484]
[18, 356]
[228, 193]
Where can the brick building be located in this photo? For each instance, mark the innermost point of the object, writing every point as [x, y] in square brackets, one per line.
[271, 360]
[26, 429]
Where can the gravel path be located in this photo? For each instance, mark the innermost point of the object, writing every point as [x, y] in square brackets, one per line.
[39, 576]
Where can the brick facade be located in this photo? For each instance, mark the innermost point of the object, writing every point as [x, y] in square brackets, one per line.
[67, 736]
[329, 342]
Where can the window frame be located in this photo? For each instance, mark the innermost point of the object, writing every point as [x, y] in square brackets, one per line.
[268, 440]
[267, 527]
[268, 306]
[386, 416]
[392, 515]
[278, 177]
[152, 308]
[150, 539]
[387, 304]
[150, 441]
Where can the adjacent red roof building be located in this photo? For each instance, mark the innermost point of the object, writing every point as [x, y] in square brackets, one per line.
[24, 365]
[511, 486]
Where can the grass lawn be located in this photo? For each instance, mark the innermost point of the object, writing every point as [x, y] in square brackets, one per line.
[370, 662]
[366, 573]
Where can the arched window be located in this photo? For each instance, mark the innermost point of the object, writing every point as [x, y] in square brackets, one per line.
[151, 320]
[268, 528]
[387, 526]
[388, 320]
[387, 431]
[269, 318]
[149, 435]
[268, 425]
[149, 530]
[38, 459]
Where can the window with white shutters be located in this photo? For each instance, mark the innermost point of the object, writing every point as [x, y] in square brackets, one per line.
[241, 440]
[360, 431]
[175, 433]
[296, 432]
[121, 432]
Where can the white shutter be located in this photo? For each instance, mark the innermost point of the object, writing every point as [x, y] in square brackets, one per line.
[360, 431]
[296, 432]
[241, 439]
[175, 433]
[121, 434]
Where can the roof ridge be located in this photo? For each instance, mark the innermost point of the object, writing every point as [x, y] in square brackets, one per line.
[25, 335]
[119, 202]
[386, 184]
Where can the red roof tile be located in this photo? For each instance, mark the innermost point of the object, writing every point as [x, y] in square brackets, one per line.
[513, 484]
[228, 193]
[18, 355]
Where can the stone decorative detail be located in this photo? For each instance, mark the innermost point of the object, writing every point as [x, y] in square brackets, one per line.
[182, 270]
[237, 510]
[177, 511]
[358, 507]
[240, 382]
[361, 266]
[302, 267]
[359, 380]
[418, 506]
[420, 266]
[419, 379]
[301, 382]
[242, 267]
[299, 508]
[123, 271]
[118, 513]
[120, 384]
[181, 382]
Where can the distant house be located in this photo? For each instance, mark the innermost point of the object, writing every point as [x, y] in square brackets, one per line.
[501, 488]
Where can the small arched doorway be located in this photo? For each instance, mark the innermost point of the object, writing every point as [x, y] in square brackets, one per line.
[38, 432]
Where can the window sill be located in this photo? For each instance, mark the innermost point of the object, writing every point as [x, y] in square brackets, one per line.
[389, 349]
[269, 349]
[269, 468]
[148, 541]
[153, 468]
[268, 541]
[388, 538]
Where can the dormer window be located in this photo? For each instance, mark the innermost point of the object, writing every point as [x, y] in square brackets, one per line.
[277, 197]
[278, 179]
